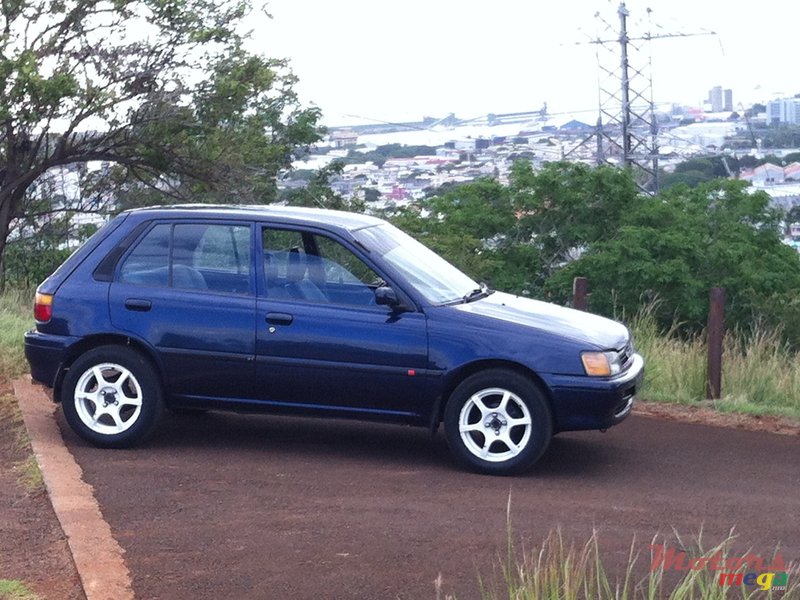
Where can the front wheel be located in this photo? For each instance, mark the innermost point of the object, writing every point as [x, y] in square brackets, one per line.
[112, 397]
[498, 422]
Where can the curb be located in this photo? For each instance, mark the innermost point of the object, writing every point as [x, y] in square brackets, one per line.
[97, 555]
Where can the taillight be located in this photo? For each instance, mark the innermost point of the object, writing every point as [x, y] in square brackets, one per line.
[43, 307]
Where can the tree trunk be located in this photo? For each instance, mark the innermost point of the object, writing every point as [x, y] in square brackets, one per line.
[9, 201]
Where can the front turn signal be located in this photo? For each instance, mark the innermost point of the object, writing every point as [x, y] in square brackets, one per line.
[596, 364]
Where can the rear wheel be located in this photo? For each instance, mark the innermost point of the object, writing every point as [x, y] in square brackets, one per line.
[112, 397]
[498, 422]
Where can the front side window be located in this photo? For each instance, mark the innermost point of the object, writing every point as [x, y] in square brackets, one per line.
[342, 266]
[431, 275]
[196, 256]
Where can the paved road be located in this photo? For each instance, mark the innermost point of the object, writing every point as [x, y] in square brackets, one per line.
[234, 506]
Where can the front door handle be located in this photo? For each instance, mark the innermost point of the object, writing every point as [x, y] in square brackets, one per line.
[275, 318]
[138, 304]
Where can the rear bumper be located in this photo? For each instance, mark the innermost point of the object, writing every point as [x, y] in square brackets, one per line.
[46, 354]
[595, 403]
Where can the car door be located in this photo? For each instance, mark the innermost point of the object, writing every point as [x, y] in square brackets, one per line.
[187, 289]
[323, 343]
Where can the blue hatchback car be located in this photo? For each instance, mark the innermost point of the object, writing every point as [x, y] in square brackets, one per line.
[314, 312]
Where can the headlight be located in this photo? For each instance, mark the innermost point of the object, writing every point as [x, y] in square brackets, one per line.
[601, 364]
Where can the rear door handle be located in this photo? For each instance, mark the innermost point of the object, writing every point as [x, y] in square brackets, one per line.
[274, 318]
[138, 304]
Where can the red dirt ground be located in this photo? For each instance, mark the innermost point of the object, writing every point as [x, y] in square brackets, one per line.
[32, 546]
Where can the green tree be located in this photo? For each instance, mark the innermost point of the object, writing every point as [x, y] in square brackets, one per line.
[676, 246]
[515, 237]
[694, 171]
[382, 153]
[685, 178]
[162, 90]
[468, 224]
[793, 214]
[792, 157]
[565, 207]
[318, 192]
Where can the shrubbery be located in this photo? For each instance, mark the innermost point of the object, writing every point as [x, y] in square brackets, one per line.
[535, 235]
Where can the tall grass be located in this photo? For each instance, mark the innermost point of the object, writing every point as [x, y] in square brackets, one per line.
[16, 317]
[760, 374]
[561, 570]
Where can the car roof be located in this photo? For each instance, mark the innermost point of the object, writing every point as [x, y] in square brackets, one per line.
[294, 215]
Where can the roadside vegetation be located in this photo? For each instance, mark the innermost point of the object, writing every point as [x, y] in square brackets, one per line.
[657, 568]
[760, 372]
[15, 590]
[563, 570]
[16, 317]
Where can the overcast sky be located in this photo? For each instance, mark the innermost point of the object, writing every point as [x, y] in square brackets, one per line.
[394, 61]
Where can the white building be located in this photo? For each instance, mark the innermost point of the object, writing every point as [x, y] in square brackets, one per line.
[766, 174]
[786, 110]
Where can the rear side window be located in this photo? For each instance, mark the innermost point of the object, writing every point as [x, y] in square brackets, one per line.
[195, 256]
[149, 260]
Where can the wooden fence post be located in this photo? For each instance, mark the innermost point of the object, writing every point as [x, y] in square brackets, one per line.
[715, 332]
[580, 287]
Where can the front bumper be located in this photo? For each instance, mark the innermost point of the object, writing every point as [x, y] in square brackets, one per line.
[46, 354]
[581, 402]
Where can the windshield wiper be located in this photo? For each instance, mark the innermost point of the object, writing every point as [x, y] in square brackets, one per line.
[477, 293]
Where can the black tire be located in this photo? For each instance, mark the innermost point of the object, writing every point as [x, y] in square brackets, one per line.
[122, 409]
[499, 437]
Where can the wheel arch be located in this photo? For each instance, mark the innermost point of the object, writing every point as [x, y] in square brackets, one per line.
[455, 378]
[104, 339]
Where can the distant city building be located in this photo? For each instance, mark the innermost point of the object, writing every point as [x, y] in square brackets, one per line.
[791, 172]
[728, 100]
[766, 174]
[344, 137]
[786, 110]
[720, 100]
[575, 125]
[715, 98]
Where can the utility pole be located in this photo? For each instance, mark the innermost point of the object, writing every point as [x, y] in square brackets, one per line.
[627, 127]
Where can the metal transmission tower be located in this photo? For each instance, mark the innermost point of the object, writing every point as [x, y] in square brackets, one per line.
[627, 129]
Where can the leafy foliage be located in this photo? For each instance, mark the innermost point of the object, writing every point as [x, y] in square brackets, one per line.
[318, 192]
[383, 153]
[161, 91]
[680, 244]
[569, 220]
[468, 224]
[694, 171]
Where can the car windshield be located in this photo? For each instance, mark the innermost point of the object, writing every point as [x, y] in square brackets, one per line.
[432, 276]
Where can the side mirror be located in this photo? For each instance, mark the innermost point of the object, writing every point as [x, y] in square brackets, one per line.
[386, 296]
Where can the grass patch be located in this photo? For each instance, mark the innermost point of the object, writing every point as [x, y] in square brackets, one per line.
[16, 317]
[27, 471]
[562, 570]
[760, 374]
[29, 475]
[15, 590]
